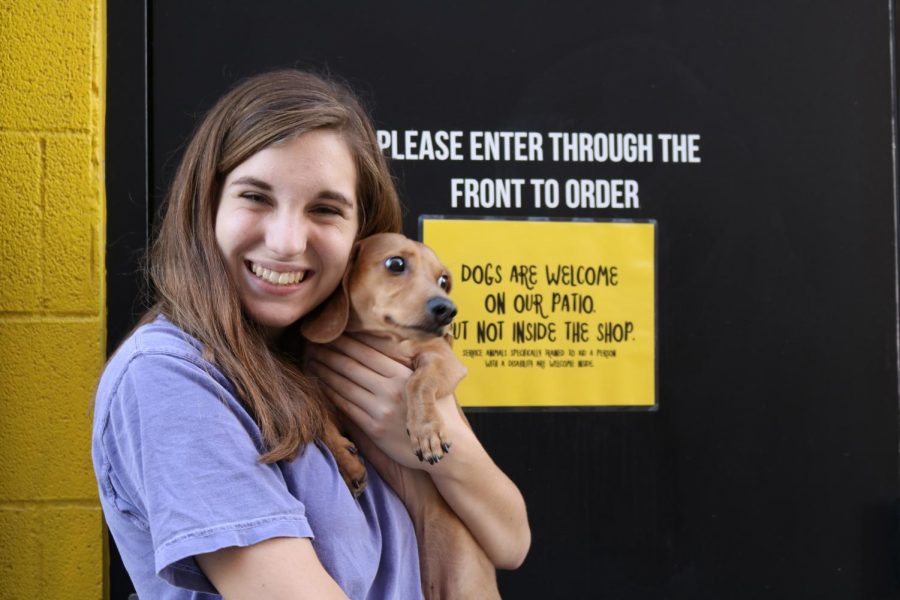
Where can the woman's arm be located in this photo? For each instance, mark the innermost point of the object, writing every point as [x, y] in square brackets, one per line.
[277, 568]
[368, 387]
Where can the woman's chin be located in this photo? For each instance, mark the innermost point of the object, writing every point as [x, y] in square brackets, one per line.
[274, 322]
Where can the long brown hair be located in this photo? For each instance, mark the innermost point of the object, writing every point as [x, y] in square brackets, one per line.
[193, 287]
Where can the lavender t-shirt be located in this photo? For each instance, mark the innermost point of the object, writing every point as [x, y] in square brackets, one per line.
[175, 456]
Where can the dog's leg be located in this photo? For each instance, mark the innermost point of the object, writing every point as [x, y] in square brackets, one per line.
[453, 565]
[423, 421]
[347, 457]
[434, 378]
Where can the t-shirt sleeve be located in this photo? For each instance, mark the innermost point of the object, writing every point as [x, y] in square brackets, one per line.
[184, 458]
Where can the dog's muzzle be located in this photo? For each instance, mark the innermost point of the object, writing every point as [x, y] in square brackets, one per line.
[441, 310]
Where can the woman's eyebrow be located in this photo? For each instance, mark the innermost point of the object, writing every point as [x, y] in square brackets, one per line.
[333, 195]
[250, 180]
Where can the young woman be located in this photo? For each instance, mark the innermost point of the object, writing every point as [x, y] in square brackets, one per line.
[211, 477]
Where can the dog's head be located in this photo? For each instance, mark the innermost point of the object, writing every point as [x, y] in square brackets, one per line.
[392, 285]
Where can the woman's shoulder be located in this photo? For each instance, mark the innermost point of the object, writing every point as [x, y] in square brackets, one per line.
[159, 336]
[153, 350]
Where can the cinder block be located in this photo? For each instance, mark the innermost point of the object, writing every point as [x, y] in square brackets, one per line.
[20, 222]
[20, 553]
[48, 373]
[72, 257]
[71, 540]
[46, 64]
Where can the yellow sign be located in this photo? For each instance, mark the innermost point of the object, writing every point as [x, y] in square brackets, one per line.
[551, 313]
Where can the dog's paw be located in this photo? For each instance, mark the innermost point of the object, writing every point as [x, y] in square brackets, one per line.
[428, 441]
[352, 469]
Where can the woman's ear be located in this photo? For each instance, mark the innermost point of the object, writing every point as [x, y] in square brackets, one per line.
[326, 322]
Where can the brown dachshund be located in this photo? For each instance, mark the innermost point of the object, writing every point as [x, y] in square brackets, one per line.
[397, 288]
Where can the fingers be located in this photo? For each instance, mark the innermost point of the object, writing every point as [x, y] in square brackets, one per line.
[349, 370]
[380, 421]
[369, 351]
[354, 411]
[361, 364]
[368, 387]
[377, 397]
[348, 390]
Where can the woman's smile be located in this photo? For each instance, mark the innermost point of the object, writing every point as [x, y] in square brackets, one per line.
[276, 276]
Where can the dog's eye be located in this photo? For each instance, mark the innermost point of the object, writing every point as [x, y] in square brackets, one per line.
[444, 282]
[395, 264]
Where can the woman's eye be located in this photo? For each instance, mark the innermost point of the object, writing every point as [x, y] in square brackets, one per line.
[254, 197]
[327, 210]
[444, 282]
[395, 264]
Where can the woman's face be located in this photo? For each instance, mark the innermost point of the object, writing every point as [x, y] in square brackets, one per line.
[286, 221]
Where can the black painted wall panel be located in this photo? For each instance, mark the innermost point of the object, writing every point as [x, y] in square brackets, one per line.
[770, 468]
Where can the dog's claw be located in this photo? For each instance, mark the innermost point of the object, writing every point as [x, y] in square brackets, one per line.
[352, 450]
[359, 485]
[428, 443]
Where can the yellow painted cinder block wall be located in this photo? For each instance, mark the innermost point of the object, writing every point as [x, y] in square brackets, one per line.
[52, 304]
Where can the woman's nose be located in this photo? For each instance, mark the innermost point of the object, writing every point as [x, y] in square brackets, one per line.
[286, 235]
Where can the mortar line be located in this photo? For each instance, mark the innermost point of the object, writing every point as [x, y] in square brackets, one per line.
[46, 317]
[49, 503]
[66, 131]
[43, 301]
[96, 142]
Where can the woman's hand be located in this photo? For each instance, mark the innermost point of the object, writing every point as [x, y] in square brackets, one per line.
[367, 385]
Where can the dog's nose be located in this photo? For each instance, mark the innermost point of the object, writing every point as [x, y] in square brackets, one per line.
[441, 309]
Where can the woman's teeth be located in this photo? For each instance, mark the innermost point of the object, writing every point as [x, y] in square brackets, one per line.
[275, 277]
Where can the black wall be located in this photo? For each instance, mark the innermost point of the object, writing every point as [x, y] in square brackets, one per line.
[770, 469]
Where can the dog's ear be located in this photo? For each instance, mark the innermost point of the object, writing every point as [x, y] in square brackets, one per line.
[328, 320]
